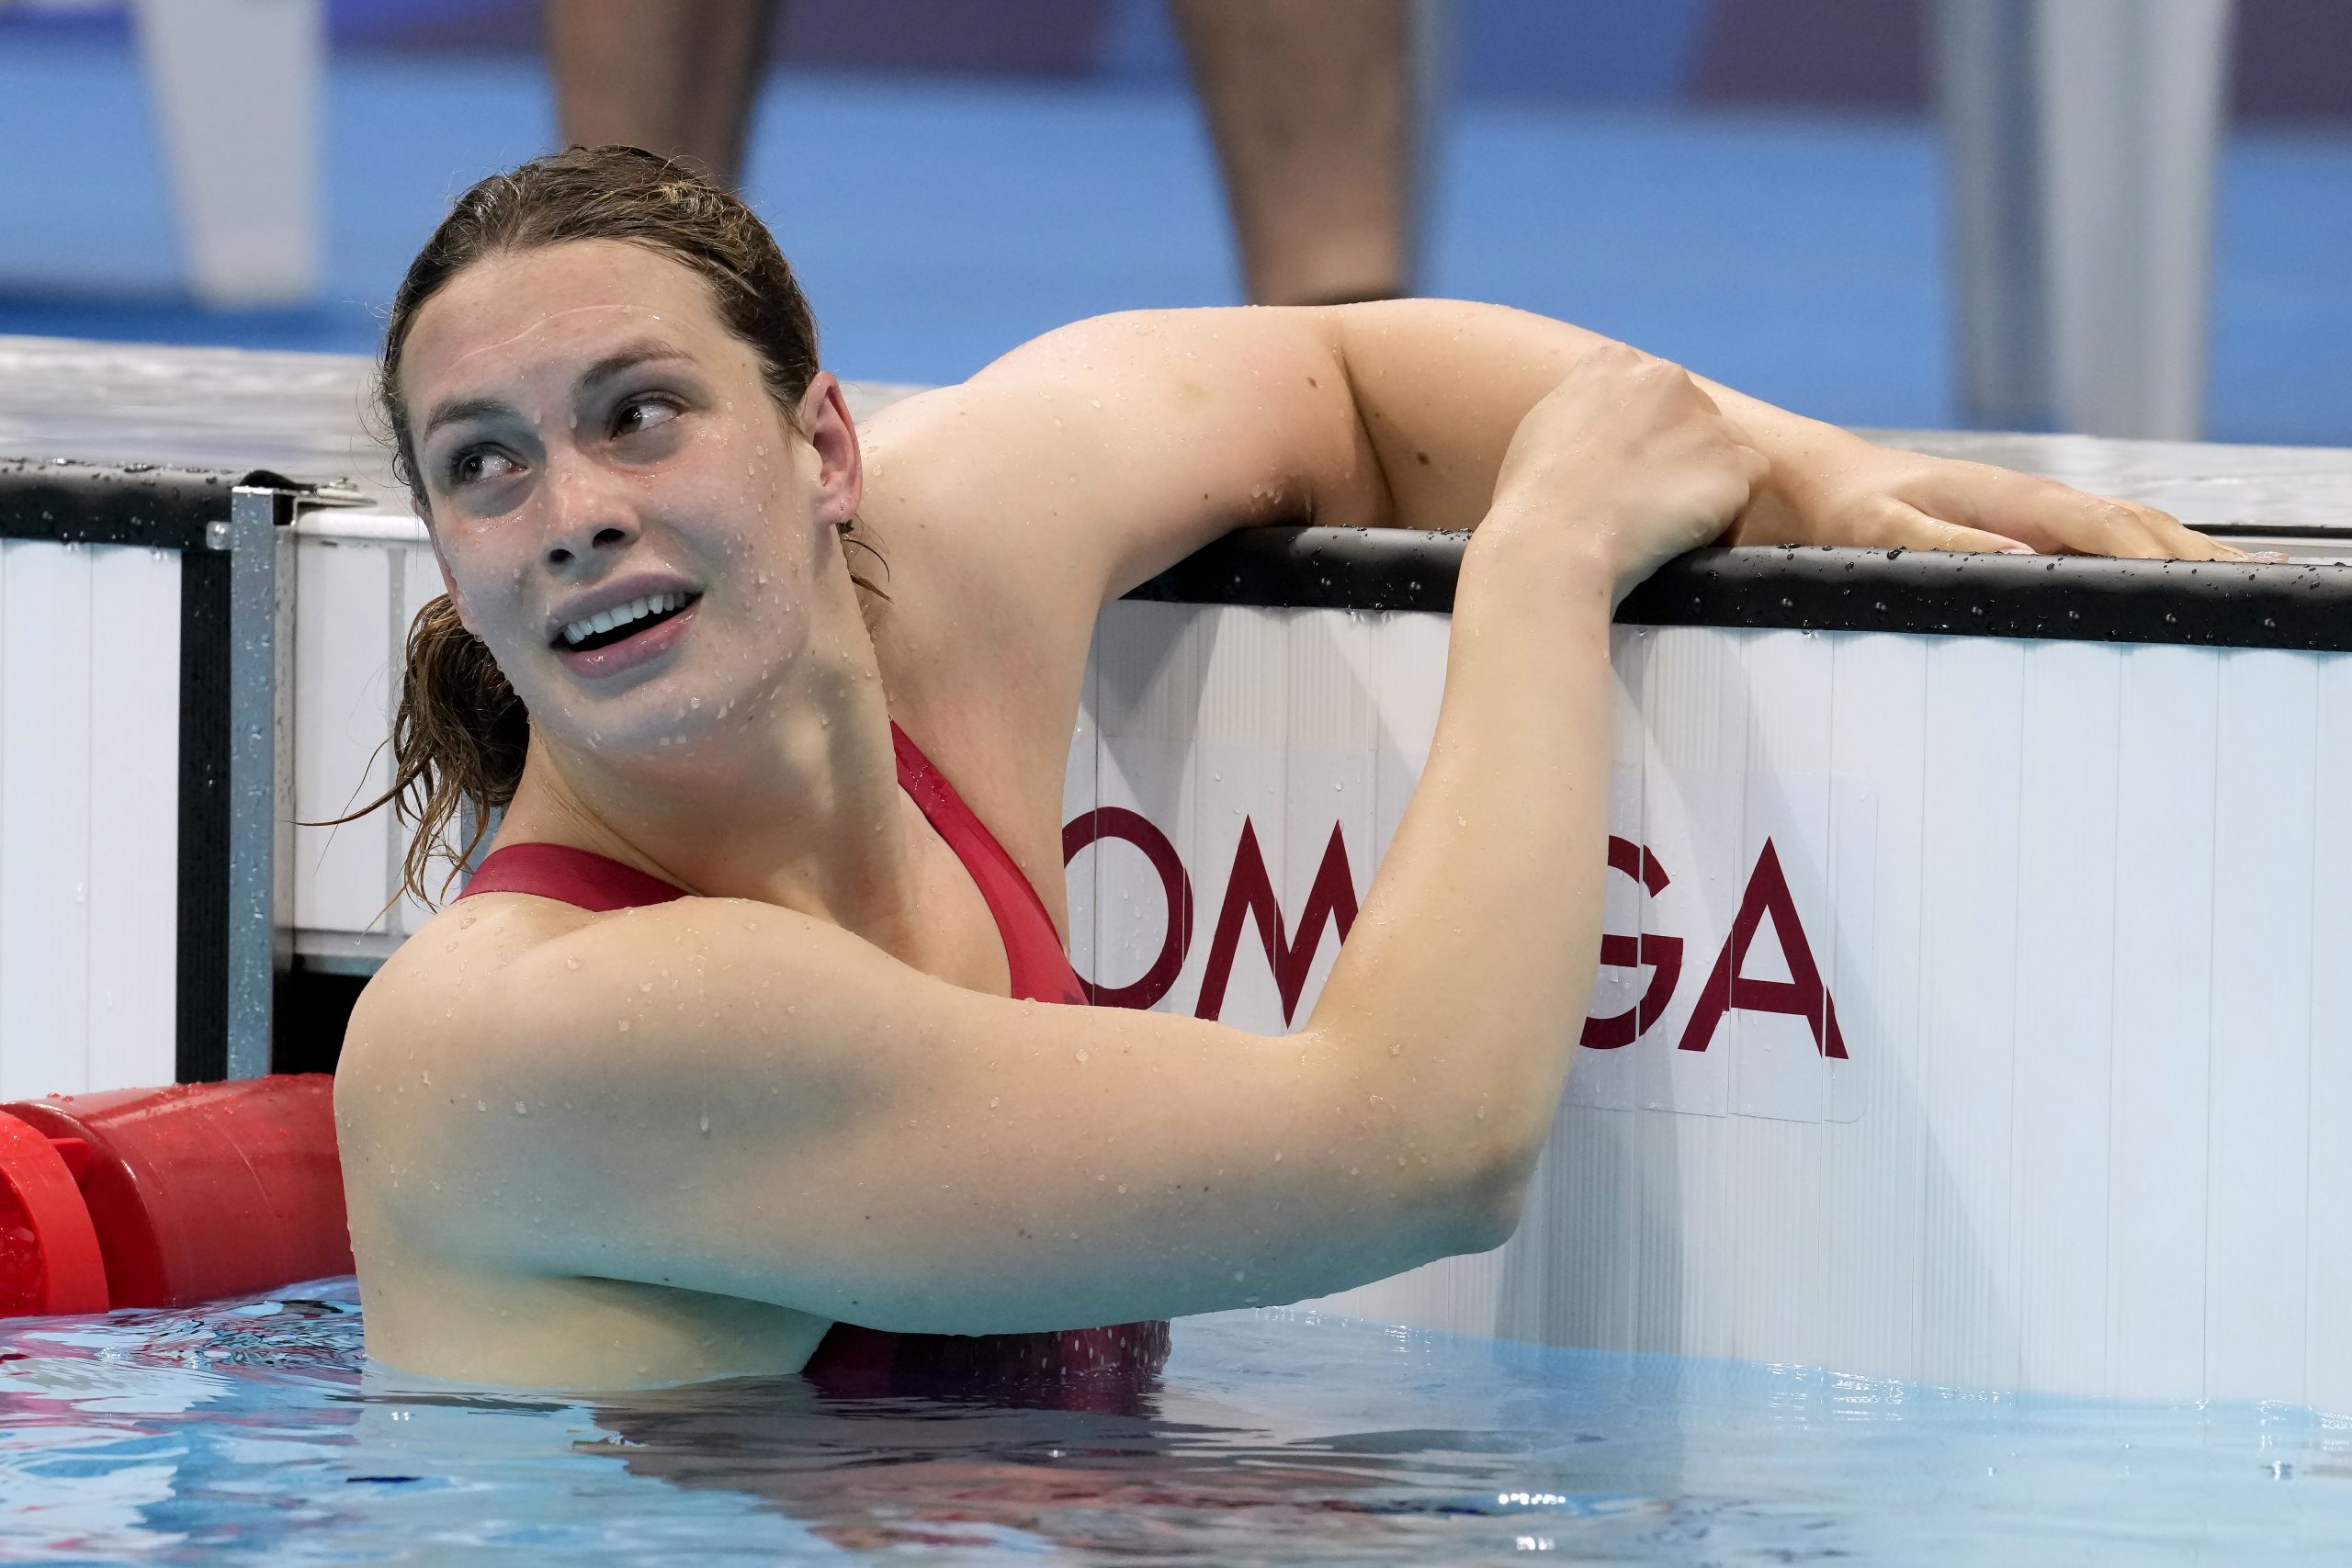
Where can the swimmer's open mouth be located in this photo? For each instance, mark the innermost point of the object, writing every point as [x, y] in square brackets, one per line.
[622, 622]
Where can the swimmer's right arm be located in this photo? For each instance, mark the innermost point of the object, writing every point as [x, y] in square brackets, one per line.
[727, 1097]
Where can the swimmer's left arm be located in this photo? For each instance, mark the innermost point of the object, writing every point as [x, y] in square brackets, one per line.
[1090, 459]
[1441, 386]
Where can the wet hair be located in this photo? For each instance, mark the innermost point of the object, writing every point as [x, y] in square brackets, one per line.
[461, 733]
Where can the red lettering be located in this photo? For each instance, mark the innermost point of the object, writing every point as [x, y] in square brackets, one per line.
[1251, 892]
[1801, 995]
[1662, 954]
[1118, 822]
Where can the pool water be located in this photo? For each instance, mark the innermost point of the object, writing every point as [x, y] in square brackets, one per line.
[256, 1432]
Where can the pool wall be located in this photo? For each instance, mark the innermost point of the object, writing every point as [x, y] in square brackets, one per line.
[1972, 1007]
[142, 858]
[1969, 1010]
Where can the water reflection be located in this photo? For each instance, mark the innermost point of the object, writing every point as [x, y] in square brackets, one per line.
[256, 1432]
[1083, 1471]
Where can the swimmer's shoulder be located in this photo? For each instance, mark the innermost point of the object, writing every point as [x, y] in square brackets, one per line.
[425, 999]
[443, 1009]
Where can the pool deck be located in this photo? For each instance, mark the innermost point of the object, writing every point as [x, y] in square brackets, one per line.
[305, 415]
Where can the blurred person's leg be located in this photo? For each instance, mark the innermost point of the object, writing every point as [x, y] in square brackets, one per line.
[1981, 58]
[1315, 109]
[673, 76]
[2082, 136]
[2134, 94]
[236, 89]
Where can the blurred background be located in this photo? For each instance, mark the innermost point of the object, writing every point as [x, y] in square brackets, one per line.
[1757, 188]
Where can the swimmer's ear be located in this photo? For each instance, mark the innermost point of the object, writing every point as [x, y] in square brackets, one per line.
[822, 419]
[449, 586]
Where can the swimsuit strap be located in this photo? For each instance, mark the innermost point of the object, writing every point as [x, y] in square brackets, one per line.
[1039, 968]
[574, 876]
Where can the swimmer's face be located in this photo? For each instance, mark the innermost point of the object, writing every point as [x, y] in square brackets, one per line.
[590, 437]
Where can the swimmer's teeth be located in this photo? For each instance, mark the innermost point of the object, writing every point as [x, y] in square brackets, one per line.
[580, 631]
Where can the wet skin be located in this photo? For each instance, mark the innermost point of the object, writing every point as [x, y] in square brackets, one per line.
[674, 1143]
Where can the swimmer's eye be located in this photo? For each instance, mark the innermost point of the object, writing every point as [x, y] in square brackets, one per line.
[472, 464]
[641, 414]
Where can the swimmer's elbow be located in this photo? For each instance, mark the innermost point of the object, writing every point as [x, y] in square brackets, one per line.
[1474, 1205]
[1490, 1205]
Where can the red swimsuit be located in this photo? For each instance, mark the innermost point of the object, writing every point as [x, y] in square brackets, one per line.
[865, 1360]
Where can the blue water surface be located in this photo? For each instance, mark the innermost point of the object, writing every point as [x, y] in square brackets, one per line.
[256, 1432]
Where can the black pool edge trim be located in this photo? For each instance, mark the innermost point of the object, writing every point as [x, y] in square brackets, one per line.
[108, 504]
[2301, 607]
[201, 1007]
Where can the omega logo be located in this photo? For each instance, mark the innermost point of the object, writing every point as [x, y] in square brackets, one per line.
[1249, 900]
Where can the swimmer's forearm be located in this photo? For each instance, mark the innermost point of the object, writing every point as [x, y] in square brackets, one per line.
[1464, 981]
[1442, 385]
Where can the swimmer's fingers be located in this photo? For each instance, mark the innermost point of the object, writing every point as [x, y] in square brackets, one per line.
[2058, 519]
[2184, 543]
[2101, 525]
[1886, 524]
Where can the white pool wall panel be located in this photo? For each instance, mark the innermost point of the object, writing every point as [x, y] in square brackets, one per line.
[90, 848]
[359, 582]
[2083, 911]
[2076, 906]
[353, 604]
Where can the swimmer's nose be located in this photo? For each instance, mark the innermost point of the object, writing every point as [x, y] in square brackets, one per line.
[585, 517]
[561, 552]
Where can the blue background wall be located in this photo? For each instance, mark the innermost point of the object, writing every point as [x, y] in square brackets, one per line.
[1749, 185]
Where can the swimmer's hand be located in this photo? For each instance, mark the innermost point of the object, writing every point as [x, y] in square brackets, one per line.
[1840, 490]
[1630, 454]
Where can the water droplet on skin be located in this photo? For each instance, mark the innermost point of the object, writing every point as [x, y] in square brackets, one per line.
[1460, 820]
[571, 964]
[480, 1105]
[464, 923]
[1123, 1187]
[1081, 1055]
[750, 925]
[624, 1023]
[705, 1124]
[995, 1100]
[521, 1108]
[645, 985]
[1397, 1050]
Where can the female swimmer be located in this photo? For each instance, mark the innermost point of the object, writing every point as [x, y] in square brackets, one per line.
[598, 1134]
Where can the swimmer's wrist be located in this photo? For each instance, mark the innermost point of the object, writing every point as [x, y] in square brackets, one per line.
[1551, 556]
